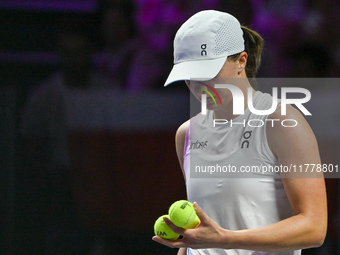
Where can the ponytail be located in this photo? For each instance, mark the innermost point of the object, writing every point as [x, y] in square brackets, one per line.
[253, 43]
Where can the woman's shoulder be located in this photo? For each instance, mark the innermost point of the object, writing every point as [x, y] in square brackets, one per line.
[180, 141]
[182, 130]
[287, 128]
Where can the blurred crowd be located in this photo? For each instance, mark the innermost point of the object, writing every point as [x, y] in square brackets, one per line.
[136, 36]
[130, 50]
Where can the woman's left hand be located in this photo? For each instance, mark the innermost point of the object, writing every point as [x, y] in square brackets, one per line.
[208, 234]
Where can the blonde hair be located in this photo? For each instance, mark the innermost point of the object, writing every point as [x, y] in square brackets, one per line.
[253, 47]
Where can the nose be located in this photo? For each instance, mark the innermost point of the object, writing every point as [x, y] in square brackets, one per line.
[202, 87]
[197, 88]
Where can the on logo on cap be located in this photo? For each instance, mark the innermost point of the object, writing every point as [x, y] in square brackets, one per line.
[204, 47]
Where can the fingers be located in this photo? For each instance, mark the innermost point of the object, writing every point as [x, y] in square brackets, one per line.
[183, 232]
[187, 234]
[178, 230]
[200, 213]
[172, 244]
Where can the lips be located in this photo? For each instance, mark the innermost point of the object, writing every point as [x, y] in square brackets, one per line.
[211, 101]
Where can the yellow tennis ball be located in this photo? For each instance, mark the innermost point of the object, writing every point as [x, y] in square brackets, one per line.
[162, 229]
[182, 213]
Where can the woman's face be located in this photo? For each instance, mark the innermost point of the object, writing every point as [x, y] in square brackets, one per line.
[217, 95]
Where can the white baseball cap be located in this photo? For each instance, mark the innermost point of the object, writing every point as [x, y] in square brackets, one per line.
[202, 45]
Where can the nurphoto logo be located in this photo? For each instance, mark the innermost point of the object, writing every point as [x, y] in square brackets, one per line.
[238, 103]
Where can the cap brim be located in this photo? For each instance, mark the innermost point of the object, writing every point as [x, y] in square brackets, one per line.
[202, 70]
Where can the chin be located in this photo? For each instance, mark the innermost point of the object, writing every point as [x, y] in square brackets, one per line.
[212, 108]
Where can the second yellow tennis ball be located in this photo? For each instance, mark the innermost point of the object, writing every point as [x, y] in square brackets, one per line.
[162, 229]
[182, 213]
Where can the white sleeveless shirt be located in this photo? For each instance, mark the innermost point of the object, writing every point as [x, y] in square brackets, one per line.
[235, 201]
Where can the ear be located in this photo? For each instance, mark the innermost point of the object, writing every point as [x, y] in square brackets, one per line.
[242, 62]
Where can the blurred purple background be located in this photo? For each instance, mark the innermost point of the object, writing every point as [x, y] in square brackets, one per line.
[97, 55]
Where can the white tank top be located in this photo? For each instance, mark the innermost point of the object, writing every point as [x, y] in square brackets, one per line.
[234, 203]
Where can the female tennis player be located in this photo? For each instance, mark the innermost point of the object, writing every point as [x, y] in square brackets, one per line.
[267, 213]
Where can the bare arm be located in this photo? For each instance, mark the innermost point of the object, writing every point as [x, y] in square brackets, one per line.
[307, 196]
[306, 228]
[182, 251]
[180, 142]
